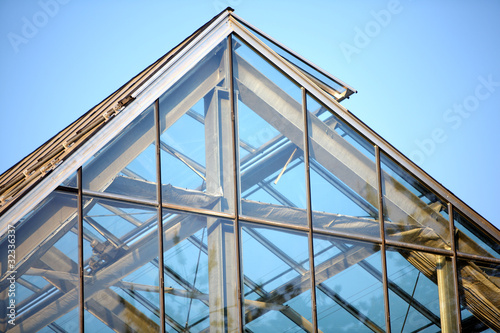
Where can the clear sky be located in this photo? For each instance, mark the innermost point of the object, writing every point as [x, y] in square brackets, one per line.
[427, 72]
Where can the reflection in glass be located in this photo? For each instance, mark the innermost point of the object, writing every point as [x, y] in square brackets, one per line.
[344, 193]
[121, 265]
[413, 213]
[44, 264]
[334, 88]
[277, 285]
[270, 129]
[421, 290]
[196, 137]
[127, 164]
[472, 240]
[349, 292]
[479, 287]
[200, 276]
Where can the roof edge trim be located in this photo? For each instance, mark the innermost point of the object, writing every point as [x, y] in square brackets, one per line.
[222, 19]
[295, 54]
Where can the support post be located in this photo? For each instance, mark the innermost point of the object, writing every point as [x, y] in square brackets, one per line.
[446, 288]
[383, 250]
[310, 239]
[223, 298]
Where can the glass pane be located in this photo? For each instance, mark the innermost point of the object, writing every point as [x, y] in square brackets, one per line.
[200, 276]
[127, 164]
[349, 293]
[277, 285]
[479, 285]
[121, 266]
[71, 181]
[39, 268]
[332, 87]
[270, 133]
[344, 190]
[421, 291]
[472, 240]
[196, 137]
[413, 213]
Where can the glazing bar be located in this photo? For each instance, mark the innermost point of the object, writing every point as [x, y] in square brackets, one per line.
[455, 268]
[235, 184]
[309, 212]
[160, 220]
[81, 296]
[382, 245]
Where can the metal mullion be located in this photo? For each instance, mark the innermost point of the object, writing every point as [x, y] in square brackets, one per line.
[416, 247]
[62, 188]
[469, 256]
[197, 211]
[235, 185]
[81, 296]
[455, 267]
[272, 223]
[314, 319]
[119, 197]
[383, 243]
[145, 202]
[347, 236]
[161, 281]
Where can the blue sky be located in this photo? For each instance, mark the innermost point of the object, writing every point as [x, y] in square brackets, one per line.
[427, 72]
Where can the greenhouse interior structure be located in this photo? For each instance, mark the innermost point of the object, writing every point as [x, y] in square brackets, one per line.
[226, 189]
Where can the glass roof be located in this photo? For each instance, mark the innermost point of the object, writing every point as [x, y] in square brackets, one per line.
[237, 201]
[333, 86]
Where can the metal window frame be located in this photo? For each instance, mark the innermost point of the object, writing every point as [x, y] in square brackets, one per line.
[302, 80]
[183, 61]
[295, 54]
[144, 97]
[153, 88]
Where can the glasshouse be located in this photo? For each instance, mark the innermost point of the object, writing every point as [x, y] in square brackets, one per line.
[226, 189]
